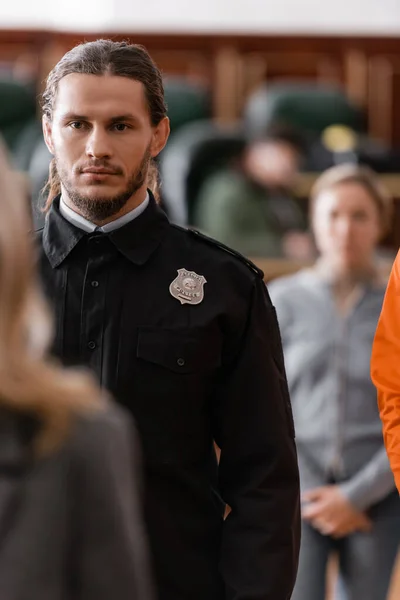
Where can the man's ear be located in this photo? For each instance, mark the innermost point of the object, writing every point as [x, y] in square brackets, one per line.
[160, 137]
[47, 134]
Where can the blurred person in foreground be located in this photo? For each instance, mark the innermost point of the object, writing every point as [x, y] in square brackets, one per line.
[385, 368]
[251, 206]
[70, 524]
[328, 315]
[181, 331]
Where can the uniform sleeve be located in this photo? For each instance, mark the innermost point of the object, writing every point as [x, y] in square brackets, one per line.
[385, 369]
[111, 553]
[258, 472]
[278, 293]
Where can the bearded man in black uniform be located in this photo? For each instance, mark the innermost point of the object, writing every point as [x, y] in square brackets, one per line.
[180, 329]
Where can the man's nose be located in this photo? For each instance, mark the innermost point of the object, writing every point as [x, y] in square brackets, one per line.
[98, 145]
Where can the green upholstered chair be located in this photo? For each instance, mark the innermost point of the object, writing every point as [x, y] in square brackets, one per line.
[186, 101]
[310, 108]
[194, 153]
[19, 124]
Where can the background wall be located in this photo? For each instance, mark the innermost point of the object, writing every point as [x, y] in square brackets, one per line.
[300, 16]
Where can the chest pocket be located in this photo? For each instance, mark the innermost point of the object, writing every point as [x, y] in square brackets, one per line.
[175, 371]
[183, 351]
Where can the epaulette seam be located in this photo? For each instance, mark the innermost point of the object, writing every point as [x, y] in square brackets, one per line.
[226, 249]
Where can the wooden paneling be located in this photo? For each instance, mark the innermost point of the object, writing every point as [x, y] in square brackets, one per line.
[368, 68]
[299, 66]
[384, 97]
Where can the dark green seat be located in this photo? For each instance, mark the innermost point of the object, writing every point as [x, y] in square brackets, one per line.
[310, 108]
[194, 153]
[17, 109]
[21, 130]
[186, 101]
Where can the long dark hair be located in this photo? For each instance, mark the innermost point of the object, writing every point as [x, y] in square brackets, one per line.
[104, 57]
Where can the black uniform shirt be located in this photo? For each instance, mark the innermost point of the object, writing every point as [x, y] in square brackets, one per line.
[190, 373]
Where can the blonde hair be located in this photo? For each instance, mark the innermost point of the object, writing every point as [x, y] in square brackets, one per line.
[365, 177]
[30, 383]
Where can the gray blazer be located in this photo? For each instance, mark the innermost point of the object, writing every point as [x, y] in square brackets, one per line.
[70, 524]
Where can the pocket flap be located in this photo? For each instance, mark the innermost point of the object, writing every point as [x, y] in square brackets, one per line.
[182, 351]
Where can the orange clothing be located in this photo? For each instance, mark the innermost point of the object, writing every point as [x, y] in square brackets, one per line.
[385, 369]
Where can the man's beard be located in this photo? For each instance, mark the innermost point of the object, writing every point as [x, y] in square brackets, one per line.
[100, 208]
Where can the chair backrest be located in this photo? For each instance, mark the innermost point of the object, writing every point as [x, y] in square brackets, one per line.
[38, 173]
[186, 101]
[195, 152]
[17, 110]
[309, 108]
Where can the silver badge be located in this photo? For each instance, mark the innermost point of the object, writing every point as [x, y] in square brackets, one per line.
[188, 287]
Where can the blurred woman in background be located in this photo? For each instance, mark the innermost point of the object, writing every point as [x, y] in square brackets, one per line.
[328, 315]
[70, 522]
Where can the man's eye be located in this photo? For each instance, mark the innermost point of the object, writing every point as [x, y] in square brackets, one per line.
[76, 125]
[120, 126]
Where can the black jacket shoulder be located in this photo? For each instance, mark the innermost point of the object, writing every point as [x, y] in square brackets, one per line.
[214, 245]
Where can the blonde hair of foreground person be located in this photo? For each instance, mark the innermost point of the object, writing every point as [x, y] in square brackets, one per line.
[30, 384]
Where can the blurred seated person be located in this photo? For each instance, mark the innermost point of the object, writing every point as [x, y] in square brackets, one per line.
[327, 316]
[251, 207]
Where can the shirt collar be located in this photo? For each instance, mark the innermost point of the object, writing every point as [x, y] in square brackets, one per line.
[89, 227]
[136, 240]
